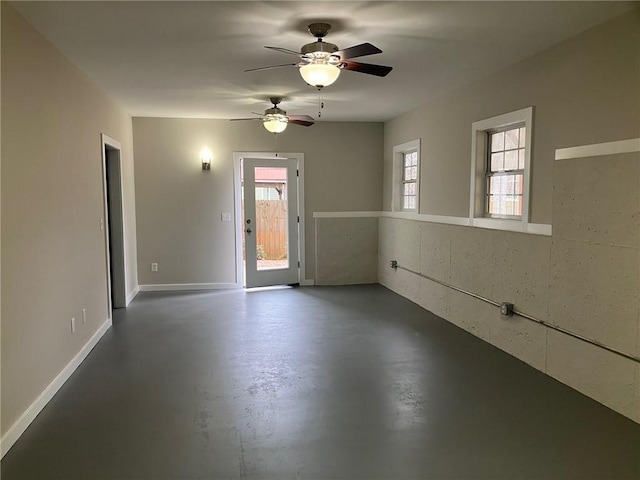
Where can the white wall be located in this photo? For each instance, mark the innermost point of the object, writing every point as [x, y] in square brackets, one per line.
[53, 249]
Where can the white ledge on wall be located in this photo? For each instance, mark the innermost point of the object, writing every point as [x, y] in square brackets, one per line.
[424, 217]
[512, 226]
[490, 223]
[345, 214]
[599, 149]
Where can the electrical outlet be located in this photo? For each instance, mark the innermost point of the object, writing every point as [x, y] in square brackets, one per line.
[154, 267]
[84, 315]
[73, 324]
[226, 217]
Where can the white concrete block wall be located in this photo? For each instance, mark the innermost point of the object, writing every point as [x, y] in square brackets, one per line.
[597, 373]
[346, 250]
[585, 278]
[595, 277]
[502, 266]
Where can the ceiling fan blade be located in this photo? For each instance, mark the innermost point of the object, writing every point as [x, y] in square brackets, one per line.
[283, 50]
[358, 51]
[368, 68]
[272, 66]
[304, 120]
[238, 119]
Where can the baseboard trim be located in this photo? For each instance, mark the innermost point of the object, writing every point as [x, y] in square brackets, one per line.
[176, 287]
[309, 282]
[19, 427]
[132, 294]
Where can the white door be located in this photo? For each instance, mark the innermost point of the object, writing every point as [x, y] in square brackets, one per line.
[271, 221]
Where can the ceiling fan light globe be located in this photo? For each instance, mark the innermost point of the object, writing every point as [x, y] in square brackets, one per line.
[319, 74]
[275, 123]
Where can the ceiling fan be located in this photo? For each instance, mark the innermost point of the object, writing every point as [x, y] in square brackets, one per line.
[321, 62]
[275, 120]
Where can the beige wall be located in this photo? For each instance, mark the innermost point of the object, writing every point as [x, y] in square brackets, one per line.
[584, 278]
[53, 250]
[584, 90]
[178, 205]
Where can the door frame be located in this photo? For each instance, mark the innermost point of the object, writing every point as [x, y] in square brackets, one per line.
[238, 223]
[114, 237]
[254, 276]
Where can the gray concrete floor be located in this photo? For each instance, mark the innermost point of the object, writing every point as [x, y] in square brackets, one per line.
[312, 383]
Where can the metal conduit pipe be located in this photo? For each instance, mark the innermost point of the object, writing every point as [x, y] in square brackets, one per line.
[394, 265]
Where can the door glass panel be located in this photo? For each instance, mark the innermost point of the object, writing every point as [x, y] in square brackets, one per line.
[271, 224]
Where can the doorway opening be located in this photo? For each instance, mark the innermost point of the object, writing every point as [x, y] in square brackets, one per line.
[113, 222]
[269, 223]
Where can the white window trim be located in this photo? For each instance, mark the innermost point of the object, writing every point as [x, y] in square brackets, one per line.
[398, 163]
[479, 165]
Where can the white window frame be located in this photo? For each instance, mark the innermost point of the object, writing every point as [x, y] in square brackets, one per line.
[477, 200]
[399, 152]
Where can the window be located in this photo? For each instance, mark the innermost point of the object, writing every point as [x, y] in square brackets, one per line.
[500, 170]
[505, 172]
[406, 177]
[410, 180]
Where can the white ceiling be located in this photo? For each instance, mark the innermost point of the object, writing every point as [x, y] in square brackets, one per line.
[187, 59]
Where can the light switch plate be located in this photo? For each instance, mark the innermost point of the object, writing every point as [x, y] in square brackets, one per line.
[226, 216]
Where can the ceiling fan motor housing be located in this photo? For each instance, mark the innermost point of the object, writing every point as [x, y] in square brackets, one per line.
[319, 47]
[275, 111]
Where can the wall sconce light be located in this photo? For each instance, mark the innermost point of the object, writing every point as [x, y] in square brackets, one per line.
[205, 156]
